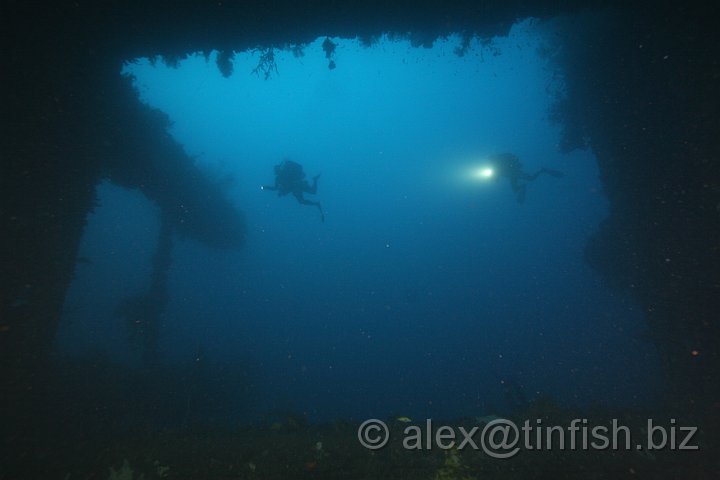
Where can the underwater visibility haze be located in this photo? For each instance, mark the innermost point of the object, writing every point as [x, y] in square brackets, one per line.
[428, 287]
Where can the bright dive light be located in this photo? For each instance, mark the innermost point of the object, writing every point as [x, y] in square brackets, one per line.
[484, 173]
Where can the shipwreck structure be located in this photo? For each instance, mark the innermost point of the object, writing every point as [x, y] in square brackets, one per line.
[642, 92]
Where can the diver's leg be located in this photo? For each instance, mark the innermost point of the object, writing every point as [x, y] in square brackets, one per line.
[304, 201]
[312, 190]
[553, 173]
[518, 188]
[520, 194]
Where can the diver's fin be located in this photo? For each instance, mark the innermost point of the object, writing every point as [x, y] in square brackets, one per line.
[554, 173]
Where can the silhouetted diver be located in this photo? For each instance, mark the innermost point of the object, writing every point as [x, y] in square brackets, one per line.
[290, 178]
[508, 165]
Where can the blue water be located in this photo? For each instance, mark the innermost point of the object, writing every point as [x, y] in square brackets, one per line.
[424, 287]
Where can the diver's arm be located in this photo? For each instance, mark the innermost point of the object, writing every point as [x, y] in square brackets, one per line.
[271, 188]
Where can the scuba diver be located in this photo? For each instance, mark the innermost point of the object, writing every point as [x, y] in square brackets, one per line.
[290, 178]
[508, 165]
